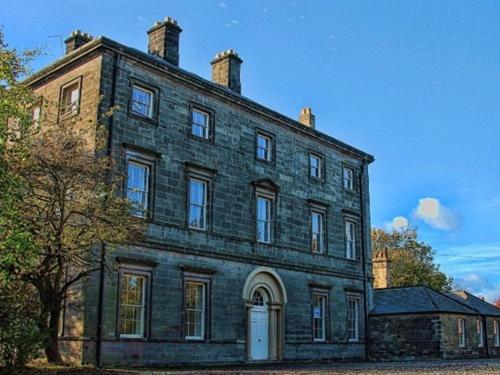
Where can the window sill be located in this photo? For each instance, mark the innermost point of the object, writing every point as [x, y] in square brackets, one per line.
[151, 120]
[209, 140]
[320, 180]
[264, 161]
[195, 339]
[67, 116]
[132, 338]
[197, 230]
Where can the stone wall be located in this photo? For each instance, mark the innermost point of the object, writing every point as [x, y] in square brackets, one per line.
[404, 337]
[226, 341]
[493, 351]
[450, 347]
[229, 246]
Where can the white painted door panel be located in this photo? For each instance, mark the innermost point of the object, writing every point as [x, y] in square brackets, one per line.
[260, 334]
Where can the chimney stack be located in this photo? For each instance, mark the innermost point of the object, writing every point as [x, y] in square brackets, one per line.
[307, 118]
[381, 272]
[226, 70]
[76, 40]
[164, 40]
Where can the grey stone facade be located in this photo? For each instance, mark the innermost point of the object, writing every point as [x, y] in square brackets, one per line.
[227, 254]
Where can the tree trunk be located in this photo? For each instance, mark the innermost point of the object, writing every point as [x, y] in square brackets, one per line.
[52, 347]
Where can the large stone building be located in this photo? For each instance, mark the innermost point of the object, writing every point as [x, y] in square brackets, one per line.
[258, 242]
[417, 322]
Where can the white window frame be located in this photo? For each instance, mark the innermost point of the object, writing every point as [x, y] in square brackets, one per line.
[149, 106]
[480, 333]
[268, 150]
[204, 205]
[141, 210]
[143, 305]
[348, 181]
[36, 115]
[461, 333]
[319, 167]
[71, 107]
[205, 127]
[322, 298]
[350, 228]
[320, 234]
[496, 333]
[268, 219]
[203, 310]
[354, 318]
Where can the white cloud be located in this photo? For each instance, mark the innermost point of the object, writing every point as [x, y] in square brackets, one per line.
[222, 5]
[331, 36]
[400, 223]
[432, 212]
[232, 23]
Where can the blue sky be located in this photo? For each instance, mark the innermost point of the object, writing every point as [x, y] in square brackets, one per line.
[416, 83]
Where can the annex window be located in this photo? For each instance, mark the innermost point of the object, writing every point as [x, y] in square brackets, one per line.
[70, 99]
[200, 124]
[461, 333]
[480, 333]
[496, 333]
[348, 178]
[319, 303]
[139, 169]
[132, 305]
[194, 310]
[317, 232]
[264, 147]
[352, 319]
[264, 206]
[315, 166]
[142, 101]
[198, 203]
[350, 239]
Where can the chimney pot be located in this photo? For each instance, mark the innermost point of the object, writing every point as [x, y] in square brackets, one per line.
[76, 39]
[307, 118]
[226, 68]
[164, 40]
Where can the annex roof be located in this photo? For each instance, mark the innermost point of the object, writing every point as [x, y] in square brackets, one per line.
[478, 304]
[417, 299]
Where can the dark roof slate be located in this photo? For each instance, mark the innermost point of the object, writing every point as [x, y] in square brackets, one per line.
[417, 299]
[478, 304]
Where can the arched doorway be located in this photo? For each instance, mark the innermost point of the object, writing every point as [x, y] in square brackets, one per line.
[265, 297]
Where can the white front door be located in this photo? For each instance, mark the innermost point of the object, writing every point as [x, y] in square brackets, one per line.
[260, 333]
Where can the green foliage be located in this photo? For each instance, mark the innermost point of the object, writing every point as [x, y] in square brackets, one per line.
[20, 338]
[60, 199]
[411, 261]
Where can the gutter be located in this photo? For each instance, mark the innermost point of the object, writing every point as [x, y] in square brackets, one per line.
[102, 273]
[363, 258]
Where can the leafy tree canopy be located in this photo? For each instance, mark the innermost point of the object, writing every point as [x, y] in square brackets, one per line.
[411, 260]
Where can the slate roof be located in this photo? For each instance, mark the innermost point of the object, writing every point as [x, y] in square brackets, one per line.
[417, 299]
[478, 304]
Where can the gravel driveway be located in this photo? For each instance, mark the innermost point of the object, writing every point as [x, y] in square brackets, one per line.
[469, 367]
[481, 366]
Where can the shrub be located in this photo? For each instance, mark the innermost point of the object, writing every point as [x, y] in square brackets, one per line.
[20, 338]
